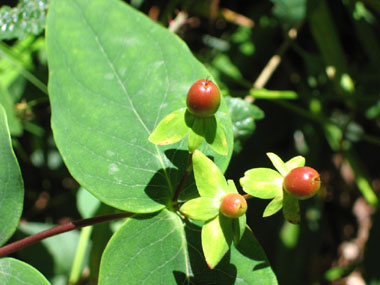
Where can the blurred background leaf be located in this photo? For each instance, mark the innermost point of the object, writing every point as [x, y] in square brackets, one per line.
[28, 17]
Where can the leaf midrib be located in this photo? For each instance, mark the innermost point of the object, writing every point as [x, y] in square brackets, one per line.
[120, 82]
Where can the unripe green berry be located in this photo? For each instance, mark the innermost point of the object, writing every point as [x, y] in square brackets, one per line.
[233, 205]
[203, 98]
[302, 182]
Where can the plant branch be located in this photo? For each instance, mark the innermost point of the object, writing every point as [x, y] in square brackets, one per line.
[178, 22]
[247, 196]
[12, 247]
[183, 179]
[274, 62]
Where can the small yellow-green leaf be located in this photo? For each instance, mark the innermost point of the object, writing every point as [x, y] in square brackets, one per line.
[215, 135]
[278, 163]
[264, 183]
[171, 129]
[208, 178]
[274, 206]
[291, 209]
[297, 161]
[201, 208]
[231, 187]
[216, 239]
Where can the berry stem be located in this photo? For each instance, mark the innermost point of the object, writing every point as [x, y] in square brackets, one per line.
[183, 179]
[247, 196]
[12, 247]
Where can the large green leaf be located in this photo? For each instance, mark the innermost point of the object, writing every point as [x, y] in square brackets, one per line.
[114, 74]
[11, 183]
[16, 272]
[161, 249]
[147, 249]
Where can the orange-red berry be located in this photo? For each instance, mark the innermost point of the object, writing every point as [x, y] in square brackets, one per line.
[302, 182]
[203, 98]
[233, 205]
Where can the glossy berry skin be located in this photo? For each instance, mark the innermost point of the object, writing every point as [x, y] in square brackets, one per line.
[233, 205]
[203, 98]
[302, 182]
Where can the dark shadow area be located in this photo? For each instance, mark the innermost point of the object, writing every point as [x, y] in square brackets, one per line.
[157, 189]
[249, 247]
[223, 273]
[210, 126]
[372, 252]
[248, 251]
[180, 158]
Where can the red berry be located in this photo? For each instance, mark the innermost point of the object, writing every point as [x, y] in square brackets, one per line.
[203, 98]
[233, 205]
[302, 182]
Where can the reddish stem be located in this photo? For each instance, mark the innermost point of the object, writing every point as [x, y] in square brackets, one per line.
[183, 179]
[247, 196]
[12, 247]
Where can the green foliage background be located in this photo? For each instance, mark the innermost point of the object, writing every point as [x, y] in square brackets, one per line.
[321, 101]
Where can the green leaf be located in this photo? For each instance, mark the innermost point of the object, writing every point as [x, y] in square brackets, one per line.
[251, 262]
[297, 161]
[322, 27]
[197, 134]
[231, 187]
[274, 206]
[245, 261]
[11, 183]
[216, 239]
[16, 272]
[28, 17]
[224, 65]
[238, 228]
[278, 163]
[174, 253]
[209, 179]
[201, 208]
[107, 99]
[290, 11]
[215, 135]
[87, 204]
[264, 183]
[171, 129]
[146, 249]
[243, 116]
[291, 209]
[362, 179]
